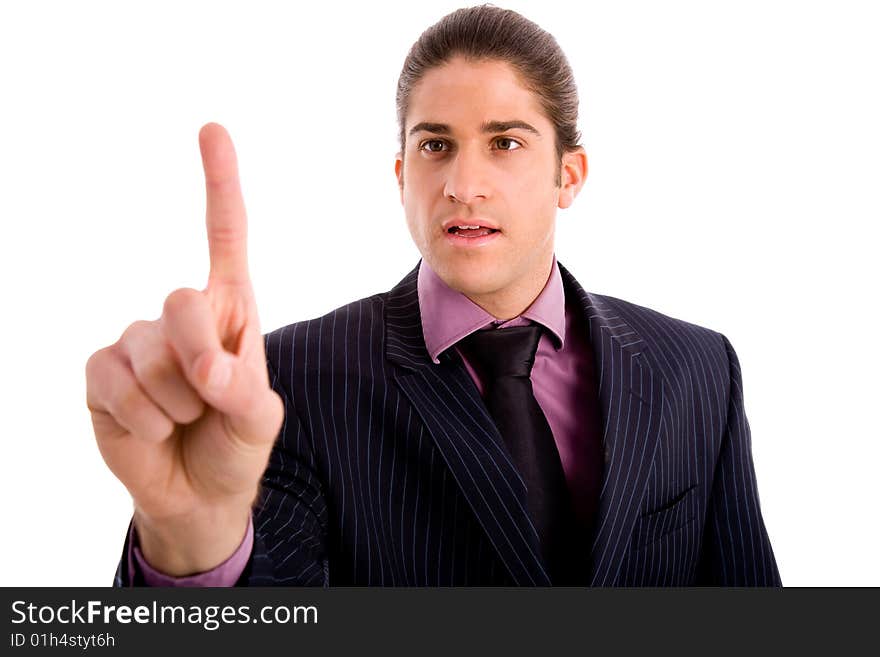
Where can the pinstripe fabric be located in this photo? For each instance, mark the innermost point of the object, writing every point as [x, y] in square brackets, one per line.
[389, 471]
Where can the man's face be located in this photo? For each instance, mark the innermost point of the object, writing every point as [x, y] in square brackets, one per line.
[481, 152]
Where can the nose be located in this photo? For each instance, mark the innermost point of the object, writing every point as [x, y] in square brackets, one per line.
[466, 177]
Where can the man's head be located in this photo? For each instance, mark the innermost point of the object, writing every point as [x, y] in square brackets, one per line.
[487, 108]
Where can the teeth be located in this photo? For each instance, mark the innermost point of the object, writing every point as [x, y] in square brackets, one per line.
[470, 227]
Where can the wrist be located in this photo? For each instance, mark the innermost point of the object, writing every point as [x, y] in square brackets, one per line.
[193, 544]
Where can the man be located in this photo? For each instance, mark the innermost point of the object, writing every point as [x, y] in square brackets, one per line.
[485, 422]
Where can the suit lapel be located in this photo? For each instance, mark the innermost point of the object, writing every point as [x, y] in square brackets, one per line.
[463, 431]
[631, 399]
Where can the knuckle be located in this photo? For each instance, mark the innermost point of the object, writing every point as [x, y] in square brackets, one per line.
[126, 402]
[179, 300]
[154, 369]
[157, 429]
[134, 330]
[228, 235]
[190, 411]
[132, 409]
[96, 364]
[276, 404]
[100, 377]
[267, 410]
[278, 408]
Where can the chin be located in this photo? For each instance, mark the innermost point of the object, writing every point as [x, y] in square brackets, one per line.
[469, 278]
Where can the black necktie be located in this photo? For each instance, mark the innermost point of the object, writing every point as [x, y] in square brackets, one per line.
[504, 359]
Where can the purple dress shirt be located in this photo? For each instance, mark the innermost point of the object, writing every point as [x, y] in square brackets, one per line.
[563, 380]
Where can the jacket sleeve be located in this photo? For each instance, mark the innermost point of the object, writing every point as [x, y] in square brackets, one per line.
[736, 550]
[289, 516]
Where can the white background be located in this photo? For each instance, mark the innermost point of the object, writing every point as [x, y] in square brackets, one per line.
[733, 149]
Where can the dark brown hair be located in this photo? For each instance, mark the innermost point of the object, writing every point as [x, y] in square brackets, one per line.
[487, 32]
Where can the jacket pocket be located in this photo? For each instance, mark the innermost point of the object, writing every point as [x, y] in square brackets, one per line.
[665, 518]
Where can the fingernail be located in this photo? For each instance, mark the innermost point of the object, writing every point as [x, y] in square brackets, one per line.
[221, 372]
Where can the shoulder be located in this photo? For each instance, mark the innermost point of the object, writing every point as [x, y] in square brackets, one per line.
[678, 348]
[661, 339]
[351, 328]
[368, 306]
[658, 328]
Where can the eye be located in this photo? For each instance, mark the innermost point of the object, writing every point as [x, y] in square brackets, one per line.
[433, 146]
[507, 144]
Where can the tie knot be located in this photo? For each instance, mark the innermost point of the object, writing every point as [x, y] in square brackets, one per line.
[503, 352]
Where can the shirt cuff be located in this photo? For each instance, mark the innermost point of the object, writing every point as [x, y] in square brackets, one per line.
[226, 574]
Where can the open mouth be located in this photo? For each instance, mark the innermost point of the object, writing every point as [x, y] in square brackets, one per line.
[471, 231]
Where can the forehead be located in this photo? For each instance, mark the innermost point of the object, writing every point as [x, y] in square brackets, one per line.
[465, 94]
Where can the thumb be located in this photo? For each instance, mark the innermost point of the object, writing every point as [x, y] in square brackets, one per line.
[237, 385]
[235, 382]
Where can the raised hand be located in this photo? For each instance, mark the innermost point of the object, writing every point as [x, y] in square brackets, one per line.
[181, 406]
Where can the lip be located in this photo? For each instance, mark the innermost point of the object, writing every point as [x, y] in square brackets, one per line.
[473, 221]
[470, 242]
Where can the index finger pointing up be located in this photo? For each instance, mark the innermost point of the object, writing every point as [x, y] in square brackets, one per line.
[226, 219]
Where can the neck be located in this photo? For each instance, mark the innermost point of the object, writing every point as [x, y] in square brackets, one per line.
[514, 299]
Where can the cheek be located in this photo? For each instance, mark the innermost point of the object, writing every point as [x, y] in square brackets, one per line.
[416, 208]
[422, 190]
[534, 196]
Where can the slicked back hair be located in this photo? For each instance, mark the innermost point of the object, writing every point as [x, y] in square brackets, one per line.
[489, 33]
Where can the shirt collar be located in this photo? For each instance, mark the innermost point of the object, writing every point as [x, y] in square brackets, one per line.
[448, 315]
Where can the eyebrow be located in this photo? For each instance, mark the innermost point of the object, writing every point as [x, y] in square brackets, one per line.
[486, 127]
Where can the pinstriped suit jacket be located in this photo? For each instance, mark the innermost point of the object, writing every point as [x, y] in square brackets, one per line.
[389, 471]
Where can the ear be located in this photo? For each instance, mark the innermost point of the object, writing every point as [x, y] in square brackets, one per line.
[398, 171]
[573, 174]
